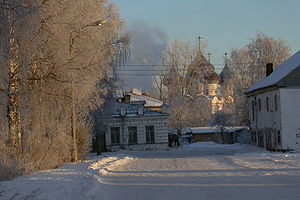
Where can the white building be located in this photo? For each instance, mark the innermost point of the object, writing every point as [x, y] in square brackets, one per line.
[132, 125]
[274, 107]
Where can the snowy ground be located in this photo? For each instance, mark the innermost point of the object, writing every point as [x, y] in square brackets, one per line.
[197, 171]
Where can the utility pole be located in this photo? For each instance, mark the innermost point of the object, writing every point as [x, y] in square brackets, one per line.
[199, 38]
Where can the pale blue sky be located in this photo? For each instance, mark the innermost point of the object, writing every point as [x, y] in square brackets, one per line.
[223, 24]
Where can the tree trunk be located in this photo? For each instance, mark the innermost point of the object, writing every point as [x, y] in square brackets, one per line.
[13, 92]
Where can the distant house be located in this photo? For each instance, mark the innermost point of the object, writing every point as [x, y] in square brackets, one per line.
[204, 134]
[231, 135]
[274, 107]
[236, 134]
[134, 123]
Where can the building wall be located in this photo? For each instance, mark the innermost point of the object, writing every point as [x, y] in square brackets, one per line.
[290, 112]
[276, 129]
[205, 137]
[217, 104]
[160, 132]
[265, 120]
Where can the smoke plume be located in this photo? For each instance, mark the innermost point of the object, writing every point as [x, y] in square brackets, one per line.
[147, 46]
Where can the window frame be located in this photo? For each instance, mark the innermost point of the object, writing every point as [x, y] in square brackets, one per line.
[279, 137]
[115, 139]
[150, 134]
[267, 104]
[130, 136]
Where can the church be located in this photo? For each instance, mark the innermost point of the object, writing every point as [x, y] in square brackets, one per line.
[205, 83]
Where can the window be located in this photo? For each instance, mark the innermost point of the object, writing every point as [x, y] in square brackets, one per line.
[275, 102]
[150, 134]
[278, 138]
[267, 103]
[115, 135]
[132, 131]
[259, 104]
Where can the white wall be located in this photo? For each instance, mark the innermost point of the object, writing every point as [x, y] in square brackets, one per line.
[286, 119]
[290, 112]
[264, 118]
[160, 124]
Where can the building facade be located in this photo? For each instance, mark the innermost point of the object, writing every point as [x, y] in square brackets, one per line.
[132, 126]
[274, 108]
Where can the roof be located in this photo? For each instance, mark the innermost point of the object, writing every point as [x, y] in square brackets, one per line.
[150, 102]
[226, 75]
[205, 130]
[131, 110]
[231, 129]
[278, 74]
[202, 69]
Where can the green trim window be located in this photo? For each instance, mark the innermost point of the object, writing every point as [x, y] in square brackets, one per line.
[115, 135]
[149, 134]
[132, 131]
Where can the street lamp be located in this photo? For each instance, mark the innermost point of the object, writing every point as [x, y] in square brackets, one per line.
[71, 42]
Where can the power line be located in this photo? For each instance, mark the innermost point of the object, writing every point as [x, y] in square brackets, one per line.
[165, 70]
[166, 65]
[153, 74]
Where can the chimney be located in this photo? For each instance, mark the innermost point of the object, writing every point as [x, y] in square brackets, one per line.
[269, 69]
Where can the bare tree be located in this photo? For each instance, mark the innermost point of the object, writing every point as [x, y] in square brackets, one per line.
[179, 84]
[247, 66]
[221, 119]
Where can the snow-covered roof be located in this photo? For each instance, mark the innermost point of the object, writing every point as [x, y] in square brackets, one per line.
[203, 130]
[131, 109]
[278, 74]
[232, 129]
[200, 130]
[150, 102]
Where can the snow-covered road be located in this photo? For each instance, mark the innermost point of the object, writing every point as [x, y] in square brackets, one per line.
[198, 171]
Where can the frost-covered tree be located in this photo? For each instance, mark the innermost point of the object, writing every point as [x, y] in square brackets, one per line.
[39, 72]
[247, 66]
[178, 84]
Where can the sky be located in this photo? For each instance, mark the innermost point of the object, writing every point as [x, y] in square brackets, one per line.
[222, 24]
